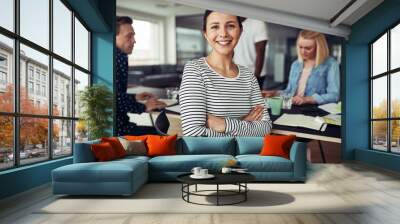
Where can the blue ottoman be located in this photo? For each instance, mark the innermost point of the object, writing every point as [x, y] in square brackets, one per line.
[119, 177]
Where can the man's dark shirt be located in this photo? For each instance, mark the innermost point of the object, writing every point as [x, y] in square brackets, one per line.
[126, 102]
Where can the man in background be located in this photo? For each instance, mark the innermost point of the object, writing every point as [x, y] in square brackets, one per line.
[250, 50]
[126, 103]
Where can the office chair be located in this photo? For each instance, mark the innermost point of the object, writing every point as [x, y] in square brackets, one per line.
[161, 124]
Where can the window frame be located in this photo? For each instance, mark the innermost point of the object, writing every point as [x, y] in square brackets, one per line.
[16, 114]
[388, 74]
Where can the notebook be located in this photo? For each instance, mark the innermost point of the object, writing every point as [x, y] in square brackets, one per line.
[300, 120]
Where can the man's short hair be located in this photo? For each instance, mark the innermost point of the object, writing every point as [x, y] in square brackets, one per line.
[121, 20]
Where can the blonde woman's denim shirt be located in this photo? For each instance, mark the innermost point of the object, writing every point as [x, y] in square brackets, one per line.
[323, 84]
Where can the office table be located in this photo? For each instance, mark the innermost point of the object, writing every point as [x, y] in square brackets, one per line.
[331, 134]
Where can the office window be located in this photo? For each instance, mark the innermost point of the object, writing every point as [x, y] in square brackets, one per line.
[81, 81]
[62, 74]
[385, 96]
[7, 14]
[62, 140]
[34, 23]
[6, 142]
[45, 131]
[148, 52]
[62, 29]
[6, 73]
[81, 45]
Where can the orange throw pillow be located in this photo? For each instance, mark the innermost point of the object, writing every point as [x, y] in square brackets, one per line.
[103, 151]
[161, 145]
[116, 145]
[277, 145]
[136, 137]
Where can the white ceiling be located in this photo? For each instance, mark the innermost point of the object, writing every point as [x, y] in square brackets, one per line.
[320, 9]
[304, 14]
[159, 7]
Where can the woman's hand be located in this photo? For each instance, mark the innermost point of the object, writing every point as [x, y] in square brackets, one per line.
[300, 100]
[216, 123]
[154, 104]
[256, 113]
[269, 93]
[144, 96]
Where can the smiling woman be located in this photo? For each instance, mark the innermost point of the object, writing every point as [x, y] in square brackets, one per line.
[218, 97]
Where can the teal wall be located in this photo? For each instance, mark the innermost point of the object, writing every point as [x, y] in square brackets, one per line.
[356, 108]
[99, 15]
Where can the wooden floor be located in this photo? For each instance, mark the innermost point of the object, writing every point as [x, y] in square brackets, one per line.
[378, 189]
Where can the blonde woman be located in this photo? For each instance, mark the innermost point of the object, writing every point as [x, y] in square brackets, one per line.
[314, 77]
[218, 97]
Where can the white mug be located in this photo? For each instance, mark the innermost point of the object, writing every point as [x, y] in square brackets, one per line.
[196, 170]
[226, 170]
[203, 172]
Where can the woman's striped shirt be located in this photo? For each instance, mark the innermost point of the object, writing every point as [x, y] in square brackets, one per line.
[204, 91]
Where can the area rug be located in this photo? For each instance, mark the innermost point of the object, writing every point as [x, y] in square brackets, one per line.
[167, 198]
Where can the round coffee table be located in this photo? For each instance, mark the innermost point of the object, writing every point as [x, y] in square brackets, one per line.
[238, 179]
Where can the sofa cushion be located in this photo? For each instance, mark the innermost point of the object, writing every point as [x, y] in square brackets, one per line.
[249, 145]
[185, 163]
[277, 145]
[134, 147]
[117, 146]
[103, 152]
[161, 145]
[136, 137]
[257, 163]
[206, 145]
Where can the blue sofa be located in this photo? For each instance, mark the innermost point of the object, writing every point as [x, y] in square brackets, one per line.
[125, 176]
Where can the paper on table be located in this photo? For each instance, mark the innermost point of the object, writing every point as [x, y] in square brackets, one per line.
[175, 109]
[299, 120]
[335, 119]
[142, 119]
[332, 108]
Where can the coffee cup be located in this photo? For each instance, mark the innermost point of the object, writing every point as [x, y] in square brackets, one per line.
[275, 103]
[196, 170]
[226, 170]
[203, 172]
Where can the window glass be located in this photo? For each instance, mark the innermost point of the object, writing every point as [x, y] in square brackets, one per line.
[395, 47]
[39, 62]
[62, 29]
[379, 98]
[81, 81]
[379, 135]
[35, 21]
[62, 138]
[33, 139]
[6, 142]
[81, 45]
[62, 91]
[395, 136]
[147, 51]
[7, 14]
[6, 75]
[395, 94]
[379, 56]
[81, 131]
